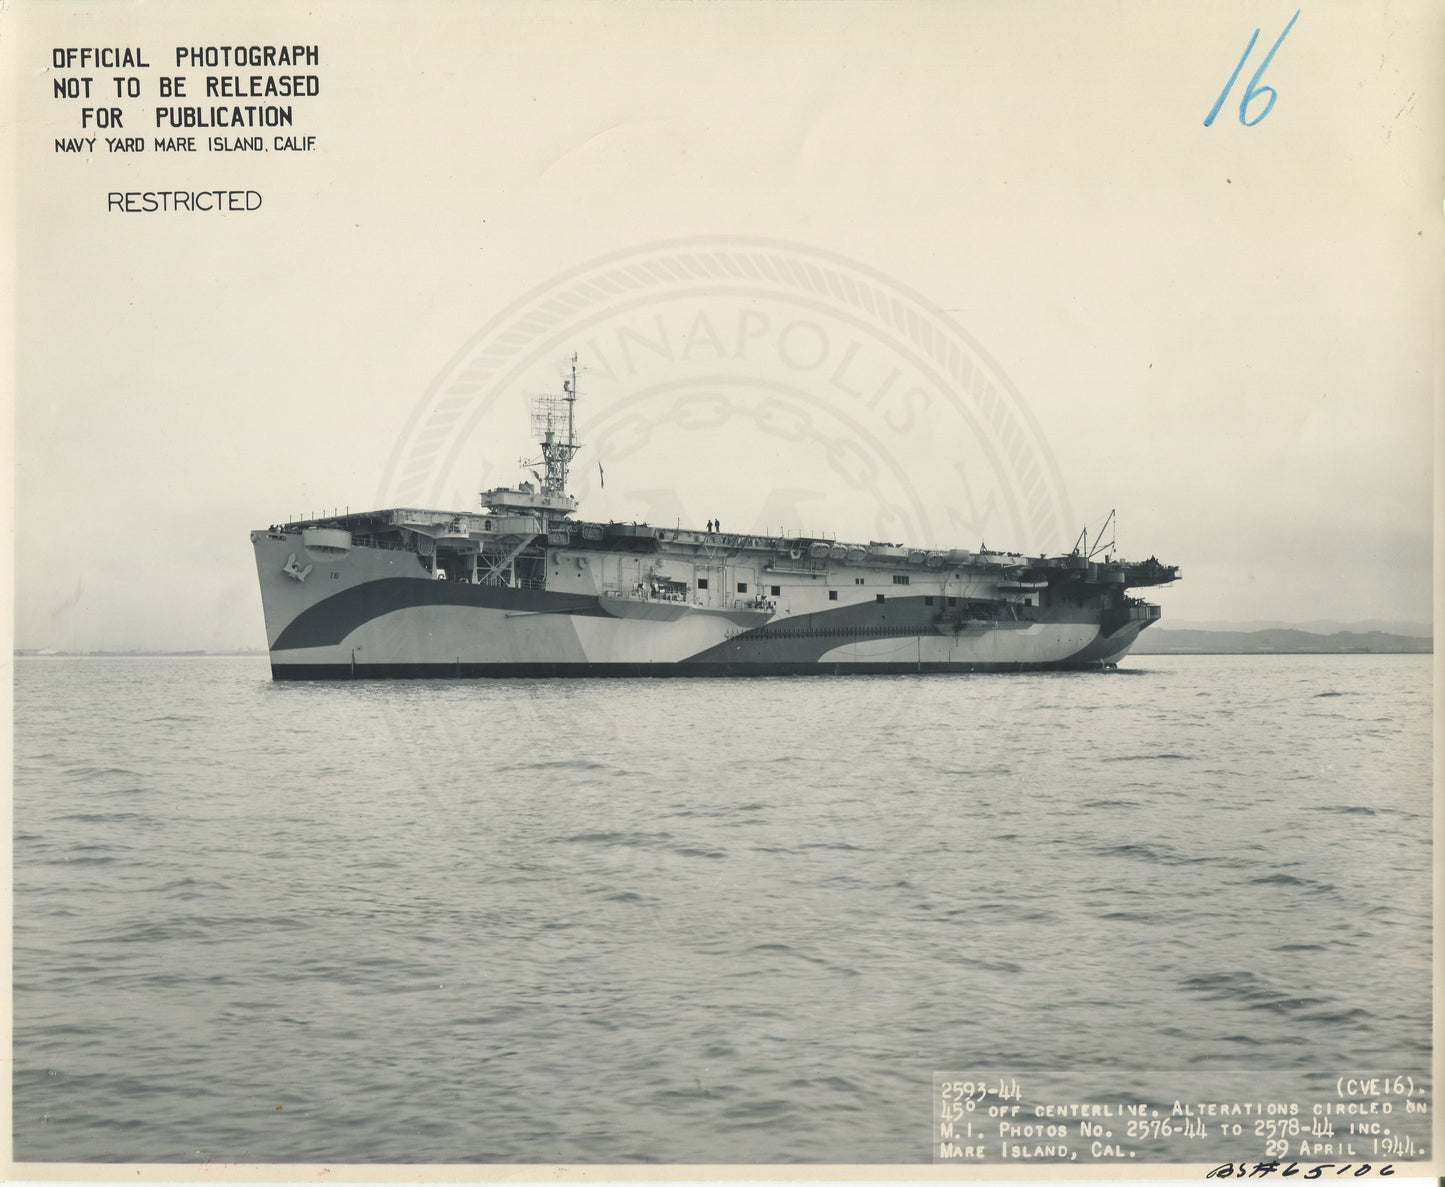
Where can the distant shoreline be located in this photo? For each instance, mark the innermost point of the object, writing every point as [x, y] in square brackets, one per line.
[1161, 640]
[1279, 641]
[1223, 639]
[52, 653]
[1136, 652]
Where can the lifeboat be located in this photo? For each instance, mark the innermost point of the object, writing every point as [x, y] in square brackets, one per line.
[917, 557]
[838, 552]
[856, 552]
[819, 550]
[935, 560]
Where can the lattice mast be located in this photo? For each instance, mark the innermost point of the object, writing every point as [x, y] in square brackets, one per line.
[553, 423]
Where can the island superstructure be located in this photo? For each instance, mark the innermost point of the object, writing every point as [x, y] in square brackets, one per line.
[521, 587]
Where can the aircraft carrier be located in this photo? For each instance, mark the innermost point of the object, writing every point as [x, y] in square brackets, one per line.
[520, 587]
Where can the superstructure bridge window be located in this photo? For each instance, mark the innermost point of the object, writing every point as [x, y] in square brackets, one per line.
[832, 595]
[880, 597]
[742, 587]
[702, 583]
[777, 590]
[900, 578]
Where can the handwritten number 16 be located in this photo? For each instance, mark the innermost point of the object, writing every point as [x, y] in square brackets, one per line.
[1254, 90]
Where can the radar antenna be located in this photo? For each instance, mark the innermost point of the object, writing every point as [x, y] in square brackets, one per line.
[553, 421]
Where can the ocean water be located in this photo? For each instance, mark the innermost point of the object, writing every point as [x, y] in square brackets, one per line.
[695, 921]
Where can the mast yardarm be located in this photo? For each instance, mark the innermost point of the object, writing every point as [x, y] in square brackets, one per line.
[553, 422]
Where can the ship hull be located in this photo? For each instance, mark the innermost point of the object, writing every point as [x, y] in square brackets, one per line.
[536, 670]
[357, 612]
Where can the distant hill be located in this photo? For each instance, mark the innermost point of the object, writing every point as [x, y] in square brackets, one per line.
[1277, 641]
[1322, 626]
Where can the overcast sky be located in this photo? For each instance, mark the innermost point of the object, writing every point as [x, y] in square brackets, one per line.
[1224, 332]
